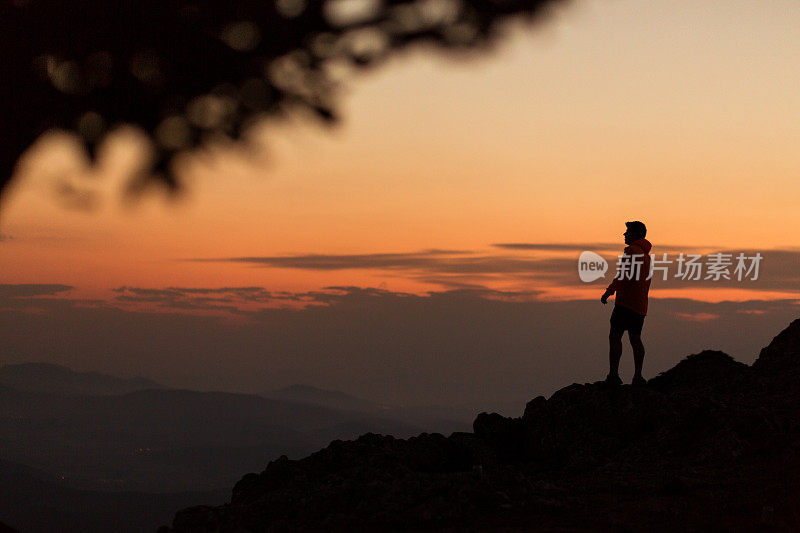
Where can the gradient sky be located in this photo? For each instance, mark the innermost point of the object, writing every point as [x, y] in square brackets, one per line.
[681, 114]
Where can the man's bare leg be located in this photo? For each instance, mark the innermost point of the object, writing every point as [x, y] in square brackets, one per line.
[638, 353]
[614, 351]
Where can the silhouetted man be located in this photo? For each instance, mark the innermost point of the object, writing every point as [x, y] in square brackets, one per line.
[631, 283]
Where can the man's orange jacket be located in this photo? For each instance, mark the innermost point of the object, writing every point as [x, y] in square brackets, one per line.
[632, 293]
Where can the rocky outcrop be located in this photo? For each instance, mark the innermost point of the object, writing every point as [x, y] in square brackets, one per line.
[777, 364]
[711, 443]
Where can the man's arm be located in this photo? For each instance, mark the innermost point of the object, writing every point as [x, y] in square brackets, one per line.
[614, 285]
[610, 290]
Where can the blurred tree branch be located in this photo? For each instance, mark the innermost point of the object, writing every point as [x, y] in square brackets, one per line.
[187, 71]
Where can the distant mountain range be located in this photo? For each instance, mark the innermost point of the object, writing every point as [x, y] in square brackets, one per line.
[95, 443]
[166, 439]
[50, 378]
[57, 379]
[330, 398]
[440, 418]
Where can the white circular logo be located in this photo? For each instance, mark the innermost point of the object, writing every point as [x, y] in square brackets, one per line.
[591, 266]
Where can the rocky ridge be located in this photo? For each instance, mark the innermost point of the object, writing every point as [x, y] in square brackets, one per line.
[711, 443]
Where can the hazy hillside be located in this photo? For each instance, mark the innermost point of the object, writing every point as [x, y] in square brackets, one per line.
[329, 398]
[50, 378]
[167, 440]
[438, 418]
[96, 459]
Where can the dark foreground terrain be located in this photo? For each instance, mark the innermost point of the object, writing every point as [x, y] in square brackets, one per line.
[710, 444]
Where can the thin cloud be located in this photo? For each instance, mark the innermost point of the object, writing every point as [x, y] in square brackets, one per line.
[457, 269]
[456, 282]
[242, 303]
[414, 260]
[29, 290]
[228, 299]
[592, 246]
[697, 317]
[435, 261]
[222, 290]
[250, 293]
[557, 246]
[241, 299]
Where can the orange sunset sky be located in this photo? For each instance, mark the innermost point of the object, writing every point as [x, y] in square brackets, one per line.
[682, 114]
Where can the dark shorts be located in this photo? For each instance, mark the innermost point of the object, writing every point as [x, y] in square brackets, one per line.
[623, 319]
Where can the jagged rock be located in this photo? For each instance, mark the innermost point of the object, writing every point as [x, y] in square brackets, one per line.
[505, 436]
[781, 358]
[583, 425]
[702, 372]
[708, 444]
[533, 407]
